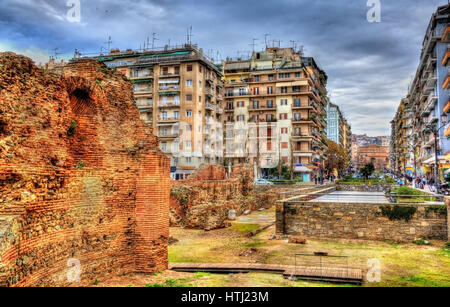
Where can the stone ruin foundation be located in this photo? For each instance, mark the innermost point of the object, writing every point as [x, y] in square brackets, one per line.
[82, 180]
[204, 200]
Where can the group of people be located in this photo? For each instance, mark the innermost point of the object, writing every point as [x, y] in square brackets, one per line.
[419, 182]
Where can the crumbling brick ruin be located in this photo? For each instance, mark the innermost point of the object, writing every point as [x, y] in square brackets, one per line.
[81, 177]
[204, 200]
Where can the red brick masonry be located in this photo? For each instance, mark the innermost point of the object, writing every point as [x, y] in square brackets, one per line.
[80, 176]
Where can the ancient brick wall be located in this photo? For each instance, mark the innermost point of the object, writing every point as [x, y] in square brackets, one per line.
[200, 202]
[80, 176]
[357, 221]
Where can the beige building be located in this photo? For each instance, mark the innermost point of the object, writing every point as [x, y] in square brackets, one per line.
[276, 102]
[179, 93]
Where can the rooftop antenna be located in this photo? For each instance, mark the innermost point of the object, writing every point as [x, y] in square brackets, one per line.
[253, 44]
[189, 35]
[265, 40]
[55, 53]
[153, 40]
[109, 42]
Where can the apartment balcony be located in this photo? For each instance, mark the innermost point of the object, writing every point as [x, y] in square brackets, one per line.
[303, 121]
[431, 83]
[240, 94]
[142, 77]
[430, 66]
[262, 108]
[228, 110]
[166, 120]
[168, 136]
[169, 88]
[446, 84]
[143, 90]
[169, 75]
[446, 35]
[431, 120]
[169, 105]
[144, 105]
[209, 106]
[219, 110]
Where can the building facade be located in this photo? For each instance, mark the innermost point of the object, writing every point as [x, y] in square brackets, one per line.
[427, 101]
[402, 150]
[276, 102]
[376, 154]
[179, 93]
[338, 128]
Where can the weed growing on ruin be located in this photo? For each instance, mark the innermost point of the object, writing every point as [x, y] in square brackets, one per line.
[398, 212]
[416, 281]
[95, 282]
[422, 241]
[202, 274]
[80, 165]
[72, 128]
[100, 84]
[437, 209]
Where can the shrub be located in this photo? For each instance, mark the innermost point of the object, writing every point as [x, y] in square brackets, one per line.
[72, 128]
[398, 212]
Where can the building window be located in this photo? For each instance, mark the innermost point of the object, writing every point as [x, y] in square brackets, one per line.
[188, 144]
[200, 69]
[188, 97]
[256, 79]
[163, 146]
[255, 104]
[297, 102]
[240, 118]
[270, 90]
[284, 102]
[284, 130]
[271, 78]
[188, 160]
[240, 104]
[189, 113]
[188, 82]
[200, 84]
[283, 116]
[284, 90]
[189, 68]
[256, 91]
[284, 145]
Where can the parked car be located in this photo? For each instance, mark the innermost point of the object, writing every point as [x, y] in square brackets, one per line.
[263, 182]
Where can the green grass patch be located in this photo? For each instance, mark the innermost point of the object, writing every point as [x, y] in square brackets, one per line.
[244, 227]
[171, 283]
[420, 281]
[202, 274]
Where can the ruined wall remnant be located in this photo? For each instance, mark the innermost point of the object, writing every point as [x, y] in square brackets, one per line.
[80, 176]
[358, 221]
[205, 198]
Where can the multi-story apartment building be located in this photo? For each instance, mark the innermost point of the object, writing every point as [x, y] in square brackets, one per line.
[429, 97]
[338, 129]
[282, 94]
[179, 93]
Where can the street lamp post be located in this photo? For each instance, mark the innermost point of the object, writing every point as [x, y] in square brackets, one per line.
[436, 136]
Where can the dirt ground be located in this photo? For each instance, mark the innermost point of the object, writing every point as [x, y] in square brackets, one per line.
[401, 264]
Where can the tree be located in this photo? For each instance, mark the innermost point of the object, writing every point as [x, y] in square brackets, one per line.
[367, 170]
[337, 159]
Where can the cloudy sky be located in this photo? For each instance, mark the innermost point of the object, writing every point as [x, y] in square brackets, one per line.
[369, 64]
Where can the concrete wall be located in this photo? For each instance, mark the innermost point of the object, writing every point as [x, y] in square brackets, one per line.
[356, 221]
